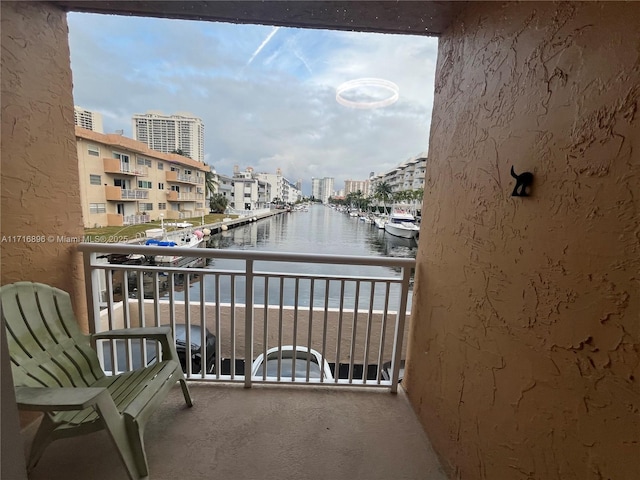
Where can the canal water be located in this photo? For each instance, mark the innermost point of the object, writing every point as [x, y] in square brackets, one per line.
[320, 230]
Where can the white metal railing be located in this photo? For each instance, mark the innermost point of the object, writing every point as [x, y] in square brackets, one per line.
[353, 321]
[135, 219]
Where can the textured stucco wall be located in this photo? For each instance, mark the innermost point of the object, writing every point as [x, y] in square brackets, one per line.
[40, 189]
[525, 338]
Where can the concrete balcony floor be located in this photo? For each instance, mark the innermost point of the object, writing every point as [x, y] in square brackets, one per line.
[266, 432]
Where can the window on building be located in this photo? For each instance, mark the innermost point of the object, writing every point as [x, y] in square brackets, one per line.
[145, 207]
[160, 186]
[144, 184]
[187, 172]
[145, 162]
[199, 205]
[160, 166]
[95, 180]
[97, 208]
[162, 206]
[93, 150]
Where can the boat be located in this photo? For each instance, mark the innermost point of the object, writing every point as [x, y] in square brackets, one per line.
[180, 238]
[402, 224]
[380, 221]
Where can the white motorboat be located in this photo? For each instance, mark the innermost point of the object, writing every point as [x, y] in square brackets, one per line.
[402, 224]
[179, 238]
[380, 221]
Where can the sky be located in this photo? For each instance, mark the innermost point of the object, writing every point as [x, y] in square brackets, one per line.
[266, 95]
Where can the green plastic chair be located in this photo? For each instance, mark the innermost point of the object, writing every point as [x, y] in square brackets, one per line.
[56, 371]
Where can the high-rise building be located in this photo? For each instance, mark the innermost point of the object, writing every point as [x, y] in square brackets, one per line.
[354, 186]
[169, 133]
[87, 119]
[322, 188]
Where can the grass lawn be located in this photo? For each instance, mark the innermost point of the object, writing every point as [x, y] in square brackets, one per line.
[131, 232]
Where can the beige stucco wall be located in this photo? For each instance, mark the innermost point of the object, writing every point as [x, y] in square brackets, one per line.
[524, 350]
[40, 195]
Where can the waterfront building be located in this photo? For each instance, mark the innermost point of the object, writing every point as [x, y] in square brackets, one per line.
[409, 175]
[88, 119]
[249, 192]
[281, 188]
[168, 133]
[226, 188]
[124, 182]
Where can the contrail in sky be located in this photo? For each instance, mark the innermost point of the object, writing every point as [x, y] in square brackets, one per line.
[263, 44]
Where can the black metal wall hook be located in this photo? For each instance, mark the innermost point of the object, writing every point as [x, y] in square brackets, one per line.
[523, 182]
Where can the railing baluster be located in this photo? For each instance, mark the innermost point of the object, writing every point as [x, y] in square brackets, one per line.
[281, 311]
[232, 327]
[324, 328]
[339, 341]
[367, 338]
[187, 325]
[203, 330]
[248, 323]
[383, 331]
[311, 289]
[295, 328]
[354, 330]
[265, 327]
[218, 319]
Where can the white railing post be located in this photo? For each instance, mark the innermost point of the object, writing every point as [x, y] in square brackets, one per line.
[399, 330]
[248, 323]
[92, 287]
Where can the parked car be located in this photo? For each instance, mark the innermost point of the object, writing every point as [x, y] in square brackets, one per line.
[181, 344]
[292, 363]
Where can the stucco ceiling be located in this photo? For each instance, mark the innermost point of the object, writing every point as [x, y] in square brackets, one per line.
[412, 17]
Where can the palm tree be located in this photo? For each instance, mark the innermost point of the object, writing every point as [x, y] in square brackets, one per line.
[211, 182]
[384, 192]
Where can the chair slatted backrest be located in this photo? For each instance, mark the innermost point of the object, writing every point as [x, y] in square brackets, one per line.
[46, 346]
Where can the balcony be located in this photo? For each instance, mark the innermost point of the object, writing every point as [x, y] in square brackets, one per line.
[173, 196]
[175, 177]
[263, 433]
[117, 194]
[114, 165]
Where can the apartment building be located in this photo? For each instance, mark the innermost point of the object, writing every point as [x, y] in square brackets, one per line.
[409, 175]
[249, 192]
[124, 182]
[281, 188]
[168, 133]
[88, 119]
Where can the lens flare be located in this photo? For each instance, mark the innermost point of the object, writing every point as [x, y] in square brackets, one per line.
[361, 83]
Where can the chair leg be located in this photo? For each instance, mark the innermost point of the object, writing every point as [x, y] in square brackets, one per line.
[128, 449]
[186, 392]
[136, 440]
[40, 442]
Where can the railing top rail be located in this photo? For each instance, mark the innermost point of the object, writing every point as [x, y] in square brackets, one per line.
[106, 248]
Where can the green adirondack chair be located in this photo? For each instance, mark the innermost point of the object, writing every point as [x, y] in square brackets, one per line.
[56, 371]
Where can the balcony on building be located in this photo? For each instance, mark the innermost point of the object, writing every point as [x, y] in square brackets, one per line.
[117, 194]
[116, 166]
[175, 177]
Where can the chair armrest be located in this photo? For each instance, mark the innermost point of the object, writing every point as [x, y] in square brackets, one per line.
[155, 333]
[58, 399]
[161, 334]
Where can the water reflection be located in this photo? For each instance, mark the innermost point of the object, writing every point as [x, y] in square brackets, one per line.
[321, 230]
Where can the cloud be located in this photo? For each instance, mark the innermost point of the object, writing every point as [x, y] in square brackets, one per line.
[275, 110]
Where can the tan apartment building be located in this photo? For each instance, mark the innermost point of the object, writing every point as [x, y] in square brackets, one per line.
[124, 182]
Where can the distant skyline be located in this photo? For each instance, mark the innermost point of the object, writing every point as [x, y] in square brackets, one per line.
[266, 95]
